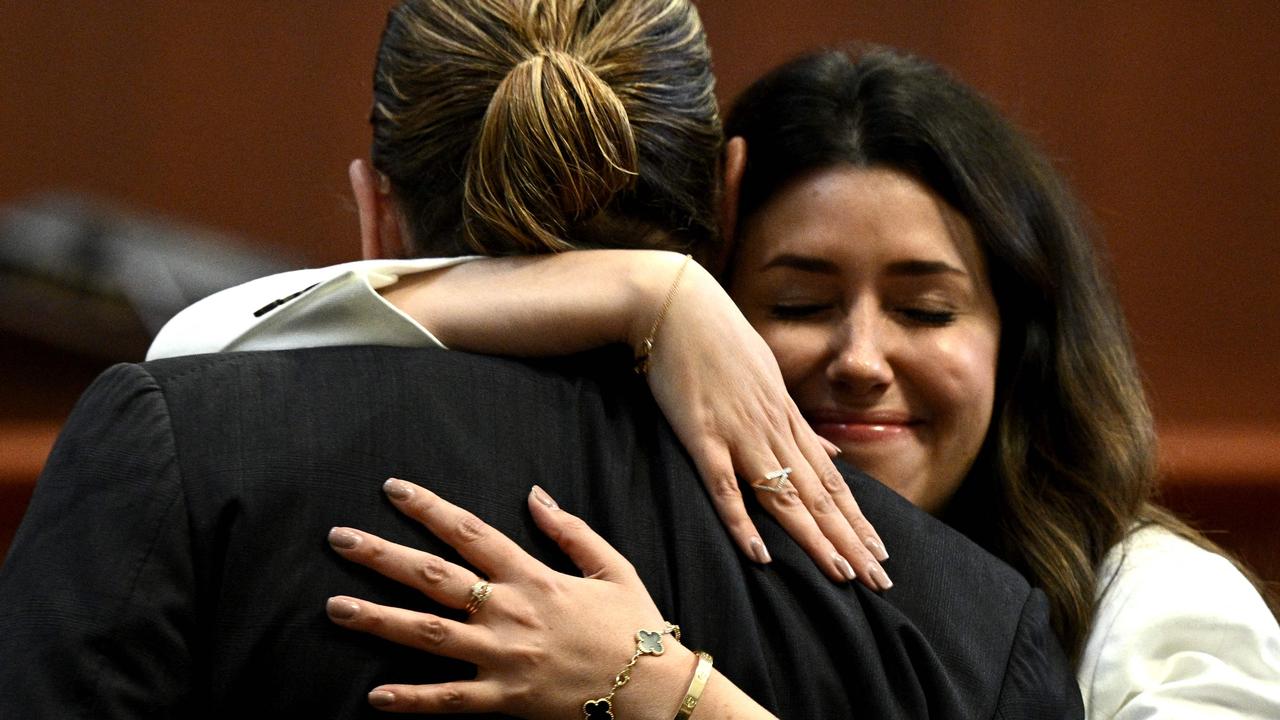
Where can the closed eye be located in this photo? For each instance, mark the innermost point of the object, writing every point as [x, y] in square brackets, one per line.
[799, 311]
[930, 318]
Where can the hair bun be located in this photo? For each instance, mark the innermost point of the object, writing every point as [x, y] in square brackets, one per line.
[554, 148]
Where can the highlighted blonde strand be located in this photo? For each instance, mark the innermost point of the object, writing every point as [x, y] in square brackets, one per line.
[555, 147]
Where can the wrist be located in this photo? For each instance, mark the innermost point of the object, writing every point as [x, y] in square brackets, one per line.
[659, 686]
[650, 276]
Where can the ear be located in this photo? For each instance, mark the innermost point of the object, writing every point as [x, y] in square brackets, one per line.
[735, 164]
[381, 233]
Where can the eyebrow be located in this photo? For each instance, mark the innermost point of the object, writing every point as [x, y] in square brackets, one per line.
[918, 268]
[910, 268]
[804, 263]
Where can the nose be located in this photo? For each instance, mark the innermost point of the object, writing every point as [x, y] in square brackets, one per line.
[859, 361]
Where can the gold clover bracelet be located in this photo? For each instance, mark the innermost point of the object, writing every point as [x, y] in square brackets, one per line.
[648, 642]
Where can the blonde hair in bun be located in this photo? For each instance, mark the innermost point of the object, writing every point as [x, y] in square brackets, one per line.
[532, 126]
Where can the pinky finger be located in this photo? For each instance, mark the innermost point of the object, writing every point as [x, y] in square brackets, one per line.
[716, 468]
[832, 449]
[473, 696]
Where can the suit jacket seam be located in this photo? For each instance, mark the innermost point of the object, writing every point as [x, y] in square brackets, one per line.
[997, 712]
[162, 517]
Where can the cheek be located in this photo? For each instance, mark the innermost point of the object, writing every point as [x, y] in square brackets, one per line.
[963, 379]
[958, 385]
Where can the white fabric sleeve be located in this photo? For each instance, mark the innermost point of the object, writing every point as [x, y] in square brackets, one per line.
[318, 307]
[1179, 633]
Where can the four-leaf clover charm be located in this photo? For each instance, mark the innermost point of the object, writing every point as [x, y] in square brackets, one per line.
[649, 642]
[600, 709]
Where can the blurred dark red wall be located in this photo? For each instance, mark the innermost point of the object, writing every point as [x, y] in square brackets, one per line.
[241, 115]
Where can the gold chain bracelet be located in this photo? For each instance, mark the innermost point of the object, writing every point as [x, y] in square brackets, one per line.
[646, 345]
[648, 642]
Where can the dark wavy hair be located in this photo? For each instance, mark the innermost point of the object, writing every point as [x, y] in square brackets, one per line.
[1068, 466]
[532, 126]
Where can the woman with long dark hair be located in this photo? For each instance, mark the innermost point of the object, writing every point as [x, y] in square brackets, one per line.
[1060, 481]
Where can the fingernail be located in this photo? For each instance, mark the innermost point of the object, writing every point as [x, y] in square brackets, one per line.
[541, 496]
[880, 577]
[341, 608]
[381, 698]
[343, 538]
[877, 549]
[759, 552]
[397, 489]
[845, 568]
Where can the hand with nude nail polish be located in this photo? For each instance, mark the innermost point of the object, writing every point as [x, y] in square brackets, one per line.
[745, 434]
[544, 643]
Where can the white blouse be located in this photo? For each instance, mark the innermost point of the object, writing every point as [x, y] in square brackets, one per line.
[317, 307]
[1178, 633]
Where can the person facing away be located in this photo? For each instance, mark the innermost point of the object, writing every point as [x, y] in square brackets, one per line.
[166, 568]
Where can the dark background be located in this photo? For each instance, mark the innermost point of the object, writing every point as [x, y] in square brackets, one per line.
[240, 116]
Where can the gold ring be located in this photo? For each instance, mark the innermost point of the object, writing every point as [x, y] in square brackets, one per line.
[480, 593]
[775, 481]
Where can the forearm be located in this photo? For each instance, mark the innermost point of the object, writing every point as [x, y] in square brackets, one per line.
[722, 700]
[545, 305]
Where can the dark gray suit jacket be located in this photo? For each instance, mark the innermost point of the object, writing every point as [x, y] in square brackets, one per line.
[173, 560]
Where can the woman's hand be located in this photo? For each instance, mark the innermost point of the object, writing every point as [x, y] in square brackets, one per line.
[544, 642]
[711, 372]
[719, 386]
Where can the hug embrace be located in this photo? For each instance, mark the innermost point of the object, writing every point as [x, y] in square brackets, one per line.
[866, 263]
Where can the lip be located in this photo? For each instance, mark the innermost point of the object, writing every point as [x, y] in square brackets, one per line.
[862, 427]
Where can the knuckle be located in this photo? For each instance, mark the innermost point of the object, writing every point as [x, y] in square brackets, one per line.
[430, 632]
[788, 498]
[375, 548]
[724, 486]
[433, 570]
[452, 699]
[471, 529]
[822, 504]
[832, 481]
[370, 619]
